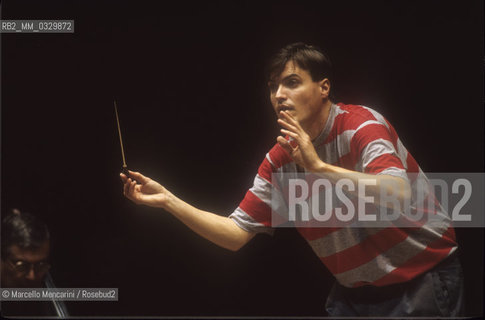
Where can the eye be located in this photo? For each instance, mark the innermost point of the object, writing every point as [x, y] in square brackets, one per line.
[292, 83]
[21, 266]
[19, 263]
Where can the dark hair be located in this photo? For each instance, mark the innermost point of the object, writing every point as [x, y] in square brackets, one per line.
[24, 230]
[307, 57]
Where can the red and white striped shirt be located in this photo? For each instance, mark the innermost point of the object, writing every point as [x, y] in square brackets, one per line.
[359, 139]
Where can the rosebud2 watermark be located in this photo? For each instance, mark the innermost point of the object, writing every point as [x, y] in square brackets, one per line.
[312, 200]
[59, 294]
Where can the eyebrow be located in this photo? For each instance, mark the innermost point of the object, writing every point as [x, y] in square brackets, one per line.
[272, 81]
[290, 76]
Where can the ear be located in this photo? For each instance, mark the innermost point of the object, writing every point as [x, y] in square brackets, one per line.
[324, 88]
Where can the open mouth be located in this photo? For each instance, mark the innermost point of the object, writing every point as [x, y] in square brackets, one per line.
[284, 108]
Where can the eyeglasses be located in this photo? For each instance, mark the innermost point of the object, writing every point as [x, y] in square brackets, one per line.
[24, 267]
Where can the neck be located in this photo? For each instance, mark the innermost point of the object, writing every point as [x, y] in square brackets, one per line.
[314, 128]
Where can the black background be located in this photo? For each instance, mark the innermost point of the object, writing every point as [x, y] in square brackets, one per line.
[195, 115]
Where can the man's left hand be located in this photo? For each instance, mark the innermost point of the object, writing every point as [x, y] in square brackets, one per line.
[301, 149]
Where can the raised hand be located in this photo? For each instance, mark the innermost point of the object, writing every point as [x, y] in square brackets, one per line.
[301, 148]
[143, 190]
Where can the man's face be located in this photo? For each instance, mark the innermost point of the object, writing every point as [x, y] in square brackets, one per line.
[25, 268]
[295, 91]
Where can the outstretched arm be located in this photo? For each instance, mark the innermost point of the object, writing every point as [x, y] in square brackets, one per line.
[221, 230]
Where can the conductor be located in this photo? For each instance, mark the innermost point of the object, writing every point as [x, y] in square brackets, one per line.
[379, 271]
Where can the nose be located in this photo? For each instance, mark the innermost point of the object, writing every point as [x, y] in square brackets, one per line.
[31, 275]
[280, 95]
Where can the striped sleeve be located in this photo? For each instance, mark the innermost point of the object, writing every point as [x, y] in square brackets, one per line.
[376, 150]
[262, 205]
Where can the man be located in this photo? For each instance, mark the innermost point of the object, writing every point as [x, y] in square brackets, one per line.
[381, 271]
[25, 264]
[25, 251]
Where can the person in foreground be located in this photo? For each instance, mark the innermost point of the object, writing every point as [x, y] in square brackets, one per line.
[26, 248]
[380, 271]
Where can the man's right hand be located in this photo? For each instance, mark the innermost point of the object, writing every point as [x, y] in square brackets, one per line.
[143, 190]
[221, 230]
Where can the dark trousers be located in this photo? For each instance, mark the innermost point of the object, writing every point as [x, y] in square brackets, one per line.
[436, 293]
